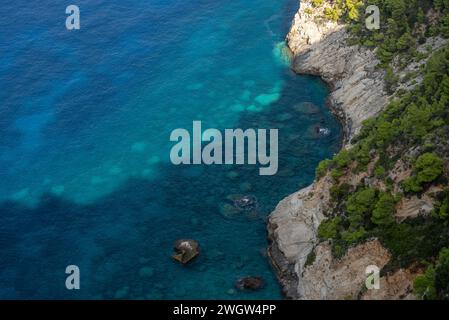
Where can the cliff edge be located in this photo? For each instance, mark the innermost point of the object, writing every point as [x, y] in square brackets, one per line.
[306, 268]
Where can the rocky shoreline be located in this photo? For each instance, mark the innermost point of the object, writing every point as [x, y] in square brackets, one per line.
[306, 268]
[357, 93]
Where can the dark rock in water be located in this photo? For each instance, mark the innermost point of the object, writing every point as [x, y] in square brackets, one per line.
[186, 250]
[317, 131]
[240, 207]
[249, 283]
[246, 203]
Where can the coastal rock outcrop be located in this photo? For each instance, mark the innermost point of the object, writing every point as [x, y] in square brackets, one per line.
[305, 267]
[320, 48]
[331, 278]
[249, 283]
[397, 285]
[292, 231]
[186, 250]
[357, 93]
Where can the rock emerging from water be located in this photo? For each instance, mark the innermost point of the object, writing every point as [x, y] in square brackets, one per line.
[246, 203]
[240, 206]
[249, 283]
[186, 250]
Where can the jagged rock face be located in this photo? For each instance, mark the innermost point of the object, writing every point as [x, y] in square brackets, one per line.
[292, 230]
[320, 48]
[398, 285]
[357, 93]
[413, 206]
[330, 278]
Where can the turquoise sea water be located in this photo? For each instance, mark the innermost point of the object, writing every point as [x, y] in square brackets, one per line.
[85, 120]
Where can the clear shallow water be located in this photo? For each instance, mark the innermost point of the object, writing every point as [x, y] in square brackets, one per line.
[85, 118]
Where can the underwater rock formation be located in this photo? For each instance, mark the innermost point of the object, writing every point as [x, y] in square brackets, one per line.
[249, 283]
[186, 250]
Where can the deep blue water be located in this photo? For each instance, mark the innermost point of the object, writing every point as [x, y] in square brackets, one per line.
[85, 119]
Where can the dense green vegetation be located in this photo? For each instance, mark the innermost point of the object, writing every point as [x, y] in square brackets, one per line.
[434, 283]
[414, 128]
[427, 168]
[441, 210]
[413, 131]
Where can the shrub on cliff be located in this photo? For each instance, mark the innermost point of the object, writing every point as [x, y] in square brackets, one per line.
[352, 236]
[424, 285]
[317, 3]
[342, 159]
[434, 283]
[391, 80]
[384, 209]
[441, 209]
[427, 168]
[361, 202]
[442, 274]
[333, 14]
[339, 192]
[328, 229]
[322, 168]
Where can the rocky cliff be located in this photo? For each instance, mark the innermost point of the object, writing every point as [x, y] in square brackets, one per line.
[319, 48]
[306, 268]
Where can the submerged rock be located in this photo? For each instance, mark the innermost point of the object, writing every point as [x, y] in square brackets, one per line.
[282, 53]
[240, 206]
[186, 250]
[249, 283]
[229, 211]
[246, 203]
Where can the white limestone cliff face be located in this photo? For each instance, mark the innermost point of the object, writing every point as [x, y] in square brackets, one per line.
[292, 230]
[319, 48]
[329, 278]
